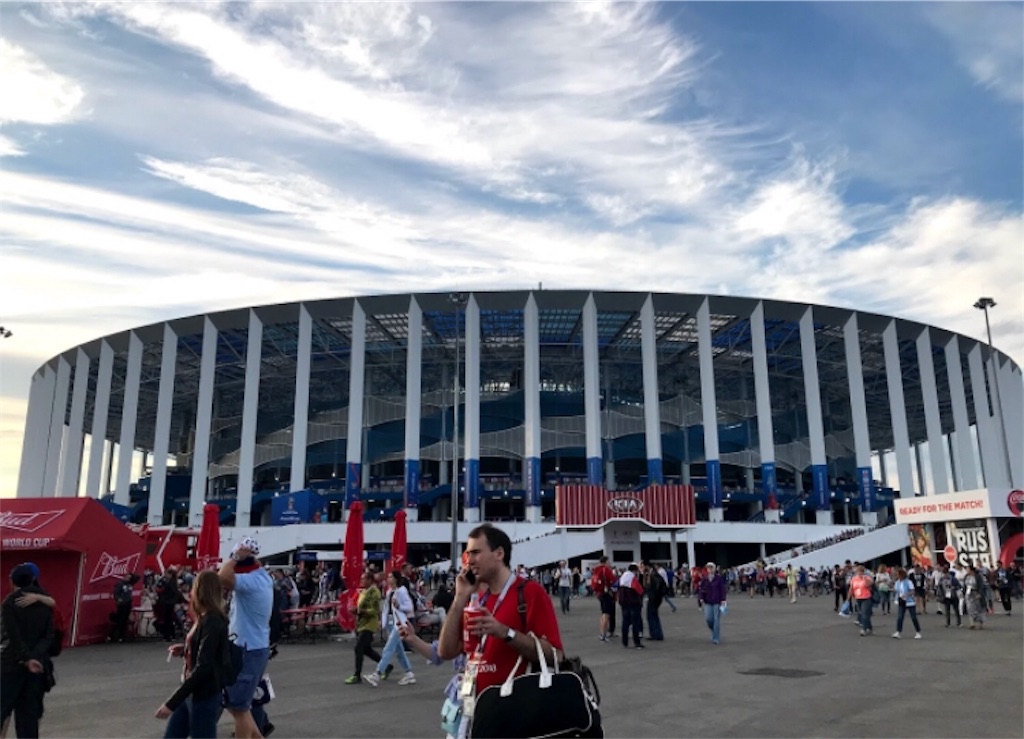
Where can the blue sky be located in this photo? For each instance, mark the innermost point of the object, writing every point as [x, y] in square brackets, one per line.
[163, 160]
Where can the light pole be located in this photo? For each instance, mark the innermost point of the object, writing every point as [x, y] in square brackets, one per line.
[458, 300]
[983, 305]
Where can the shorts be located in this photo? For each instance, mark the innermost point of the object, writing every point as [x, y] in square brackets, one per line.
[919, 592]
[607, 604]
[238, 697]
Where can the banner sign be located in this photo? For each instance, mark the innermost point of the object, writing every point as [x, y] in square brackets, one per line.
[669, 506]
[972, 542]
[960, 506]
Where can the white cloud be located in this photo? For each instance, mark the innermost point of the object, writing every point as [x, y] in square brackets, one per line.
[10, 148]
[988, 43]
[30, 92]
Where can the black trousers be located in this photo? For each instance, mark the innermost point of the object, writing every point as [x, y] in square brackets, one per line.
[21, 692]
[631, 618]
[121, 617]
[364, 648]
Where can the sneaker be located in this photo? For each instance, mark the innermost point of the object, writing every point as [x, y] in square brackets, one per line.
[373, 678]
[267, 730]
[352, 680]
[714, 641]
[639, 646]
[897, 635]
[407, 679]
[863, 633]
[917, 635]
[603, 638]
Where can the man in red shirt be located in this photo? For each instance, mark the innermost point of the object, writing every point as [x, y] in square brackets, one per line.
[504, 632]
[601, 582]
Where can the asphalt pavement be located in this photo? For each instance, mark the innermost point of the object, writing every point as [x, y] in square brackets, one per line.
[782, 670]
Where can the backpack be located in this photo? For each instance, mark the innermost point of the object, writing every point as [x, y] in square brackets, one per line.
[58, 633]
[597, 580]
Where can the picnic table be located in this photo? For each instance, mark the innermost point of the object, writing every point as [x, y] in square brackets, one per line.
[311, 621]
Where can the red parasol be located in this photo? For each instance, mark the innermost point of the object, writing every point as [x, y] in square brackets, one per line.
[399, 542]
[208, 546]
[352, 567]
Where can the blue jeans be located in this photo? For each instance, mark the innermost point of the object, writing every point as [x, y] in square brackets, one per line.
[654, 622]
[393, 648]
[194, 718]
[670, 604]
[239, 695]
[713, 616]
[564, 592]
[913, 617]
[864, 608]
[631, 618]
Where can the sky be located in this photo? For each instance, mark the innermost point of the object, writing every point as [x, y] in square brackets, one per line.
[164, 160]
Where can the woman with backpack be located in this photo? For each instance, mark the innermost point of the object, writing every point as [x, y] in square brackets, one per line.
[194, 707]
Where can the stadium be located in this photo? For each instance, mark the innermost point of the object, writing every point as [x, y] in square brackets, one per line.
[809, 415]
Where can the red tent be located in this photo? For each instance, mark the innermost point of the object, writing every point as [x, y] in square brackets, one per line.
[81, 551]
[208, 546]
[399, 542]
[352, 568]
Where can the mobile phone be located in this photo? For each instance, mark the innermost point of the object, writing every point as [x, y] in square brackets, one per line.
[470, 577]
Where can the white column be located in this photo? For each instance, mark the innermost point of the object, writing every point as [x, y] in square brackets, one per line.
[765, 424]
[992, 465]
[413, 409]
[72, 474]
[204, 420]
[652, 400]
[162, 431]
[1013, 403]
[129, 417]
[859, 411]
[966, 477]
[592, 392]
[815, 425]
[473, 509]
[250, 410]
[898, 411]
[356, 388]
[101, 408]
[37, 431]
[932, 420]
[300, 426]
[531, 415]
[54, 439]
[709, 406]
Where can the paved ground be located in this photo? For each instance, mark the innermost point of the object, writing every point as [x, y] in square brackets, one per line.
[952, 683]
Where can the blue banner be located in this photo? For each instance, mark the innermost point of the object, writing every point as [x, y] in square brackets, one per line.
[353, 482]
[819, 482]
[297, 507]
[595, 473]
[531, 474]
[654, 474]
[412, 483]
[472, 483]
[769, 483]
[714, 475]
[865, 484]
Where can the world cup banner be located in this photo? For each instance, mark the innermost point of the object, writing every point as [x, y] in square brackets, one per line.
[668, 506]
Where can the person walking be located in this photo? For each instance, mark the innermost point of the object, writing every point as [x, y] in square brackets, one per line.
[25, 667]
[512, 612]
[974, 594]
[193, 709]
[631, 598]
[249, 620]
[883, 581]
[791, 583]
[860, 593]
[949, 591]
[1001, 576]
[906, 591]
[655, 587]
[367, 611]
[712, 595]
[839, 587]
[601, 583]
[564, 584]
[398, 610]
[168, 596]
[670, 586]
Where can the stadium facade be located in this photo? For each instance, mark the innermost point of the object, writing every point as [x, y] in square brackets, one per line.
[759, 404]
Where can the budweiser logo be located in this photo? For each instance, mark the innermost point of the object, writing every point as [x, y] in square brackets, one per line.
[111, 566]
[27, 522]
[625, 505]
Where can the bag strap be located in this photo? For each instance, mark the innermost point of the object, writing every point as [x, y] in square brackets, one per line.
[522, 603]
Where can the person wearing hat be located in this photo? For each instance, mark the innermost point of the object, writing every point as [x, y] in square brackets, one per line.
[25, 666]
[712, 595]
[249, 620]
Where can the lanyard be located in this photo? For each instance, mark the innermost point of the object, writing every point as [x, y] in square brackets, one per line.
[497, 604]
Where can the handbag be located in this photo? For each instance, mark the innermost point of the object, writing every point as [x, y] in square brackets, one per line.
[537, 705]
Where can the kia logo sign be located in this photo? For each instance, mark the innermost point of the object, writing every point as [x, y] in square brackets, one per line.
[625, 506]
[1015, 500]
